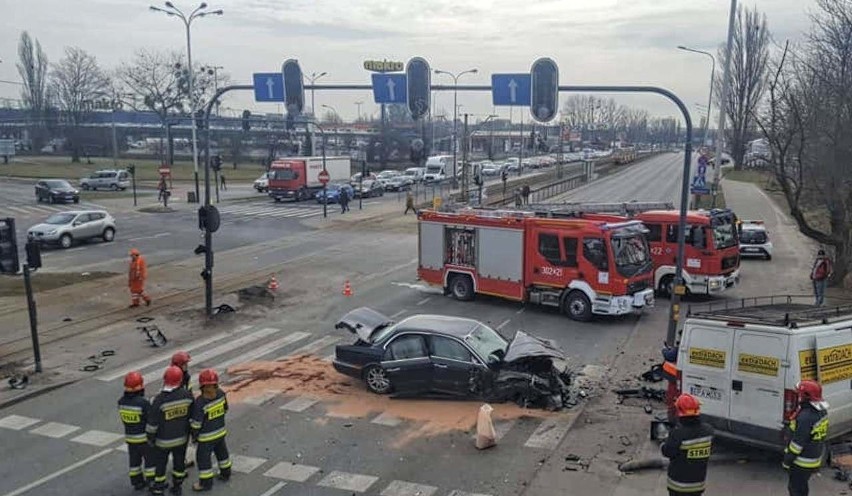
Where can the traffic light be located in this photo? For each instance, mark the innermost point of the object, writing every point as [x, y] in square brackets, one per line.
[294, 87]
[504, 176]
[246, 122]
[33, 249]
[545, 90]
[419, 81]
[208, 218]
[9, 263]
[216, 162]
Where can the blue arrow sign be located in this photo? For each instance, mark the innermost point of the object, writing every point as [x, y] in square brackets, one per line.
[390, 88]
[511, 90]
[268, 87]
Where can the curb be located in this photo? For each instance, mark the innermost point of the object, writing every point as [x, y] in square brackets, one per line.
[34, 393]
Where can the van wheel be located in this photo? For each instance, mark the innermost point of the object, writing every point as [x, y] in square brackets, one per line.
[666, 287]
[577, 306]
[113, 187]
[461, 287]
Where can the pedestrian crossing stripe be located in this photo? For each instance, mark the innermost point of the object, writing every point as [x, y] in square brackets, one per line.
[40, 210]
[270, 211]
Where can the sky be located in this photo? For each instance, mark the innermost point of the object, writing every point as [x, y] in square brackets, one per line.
[602, 42]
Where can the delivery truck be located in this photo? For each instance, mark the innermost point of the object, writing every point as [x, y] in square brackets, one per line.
[297, 178]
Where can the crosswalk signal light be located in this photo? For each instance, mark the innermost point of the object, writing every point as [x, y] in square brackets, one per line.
[294, 87]
[419, 81]
[9, 263]
[545, 90]
[246, 120]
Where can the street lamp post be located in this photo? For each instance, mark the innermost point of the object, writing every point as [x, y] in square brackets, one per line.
[336, 140]
[313, 79]
[455, 109]
[710, 94]
[198, 13]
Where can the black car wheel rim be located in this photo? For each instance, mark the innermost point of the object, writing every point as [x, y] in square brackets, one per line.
[377, 379]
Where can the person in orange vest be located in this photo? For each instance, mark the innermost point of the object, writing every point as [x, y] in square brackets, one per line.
[137, 275]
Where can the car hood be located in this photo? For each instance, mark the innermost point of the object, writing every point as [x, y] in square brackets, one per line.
[526, 346]
[63, 190]
[363, 322]
[45, 227]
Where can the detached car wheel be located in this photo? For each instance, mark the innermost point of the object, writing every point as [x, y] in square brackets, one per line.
[377, 380]
[66, 241]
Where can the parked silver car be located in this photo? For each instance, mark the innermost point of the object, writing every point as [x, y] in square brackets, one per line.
[65, 228]
[106, 179]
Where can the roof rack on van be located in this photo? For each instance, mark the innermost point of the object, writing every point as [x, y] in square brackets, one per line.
[792, 311]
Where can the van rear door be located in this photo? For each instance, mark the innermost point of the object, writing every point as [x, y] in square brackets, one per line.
[757, 384]
[834, 370]
[705, 363]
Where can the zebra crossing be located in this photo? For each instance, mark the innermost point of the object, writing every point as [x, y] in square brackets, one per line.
[254, 210]
[23, 210]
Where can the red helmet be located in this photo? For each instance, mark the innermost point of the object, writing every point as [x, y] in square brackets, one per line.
[687, 406]
[180, 359]
[809, 391]
[173, 377]
[133, 382]
[208, 377]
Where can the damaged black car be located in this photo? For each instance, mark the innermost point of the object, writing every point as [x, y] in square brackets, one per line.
[452, 356]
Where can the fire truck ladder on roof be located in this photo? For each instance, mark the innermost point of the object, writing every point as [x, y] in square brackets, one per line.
[628, 209]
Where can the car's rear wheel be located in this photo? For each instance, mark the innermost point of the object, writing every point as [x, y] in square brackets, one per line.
[65, 241]
[377, 380]
[461, 287]
[109, 234]
[113, 187]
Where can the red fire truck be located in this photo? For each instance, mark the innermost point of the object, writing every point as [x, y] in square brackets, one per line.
[583, 267]
[712, 245]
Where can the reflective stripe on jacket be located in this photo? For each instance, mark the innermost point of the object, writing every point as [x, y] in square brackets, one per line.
[208, 417]
[133, 411]
[168, 422]
[810, 430]
[688, 449]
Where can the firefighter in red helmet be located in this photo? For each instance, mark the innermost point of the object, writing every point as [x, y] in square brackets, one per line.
[168, 430]
[688, 449]
[208, 430]
[809, 429]
[133, 410]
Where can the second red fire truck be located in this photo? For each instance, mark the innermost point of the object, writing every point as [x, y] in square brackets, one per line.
[583, 267]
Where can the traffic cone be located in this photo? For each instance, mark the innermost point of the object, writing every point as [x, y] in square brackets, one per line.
[273, 283]
[347, 289]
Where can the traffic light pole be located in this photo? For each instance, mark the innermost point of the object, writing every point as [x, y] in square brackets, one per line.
[31, 307]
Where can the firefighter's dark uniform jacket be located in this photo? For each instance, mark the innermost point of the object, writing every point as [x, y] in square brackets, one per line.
[688, 451]
[133, 409]
[809, 430]
[208, 418]
[168, 419]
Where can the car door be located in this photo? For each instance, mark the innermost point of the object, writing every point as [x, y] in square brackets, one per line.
[453, 365]
[706, 363]
[95, 224]
[407, 364]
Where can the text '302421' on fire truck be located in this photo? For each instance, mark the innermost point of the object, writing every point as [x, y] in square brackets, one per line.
[585, 267]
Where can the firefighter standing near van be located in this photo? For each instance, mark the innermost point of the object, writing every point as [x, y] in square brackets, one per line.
[133, 409]
[688, 449]
[809, 428]
[168, 430]
[208, 430]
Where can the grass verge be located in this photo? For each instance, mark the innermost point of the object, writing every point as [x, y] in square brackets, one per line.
[44, 281]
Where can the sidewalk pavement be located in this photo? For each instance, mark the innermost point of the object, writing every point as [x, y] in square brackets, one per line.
[608, 433]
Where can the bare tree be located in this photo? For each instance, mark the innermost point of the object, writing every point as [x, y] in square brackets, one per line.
[33, 66]
[749, 58]
[77, 82]
[806, 122]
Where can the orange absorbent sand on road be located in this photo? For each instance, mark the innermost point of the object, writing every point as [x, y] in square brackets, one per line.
[308, 375]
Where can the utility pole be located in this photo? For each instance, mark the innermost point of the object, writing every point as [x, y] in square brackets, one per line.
[465, 165]
[559, 155]
[521, 148]
[31, 307]
[383, 156]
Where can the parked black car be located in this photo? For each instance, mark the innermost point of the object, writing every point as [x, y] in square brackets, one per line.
[55, 191]
[436, 354]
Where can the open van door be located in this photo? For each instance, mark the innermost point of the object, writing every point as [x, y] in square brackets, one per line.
[757, 385]
[834, 372]
[705, 362]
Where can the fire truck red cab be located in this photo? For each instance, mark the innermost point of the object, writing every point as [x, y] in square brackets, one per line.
[584, 267]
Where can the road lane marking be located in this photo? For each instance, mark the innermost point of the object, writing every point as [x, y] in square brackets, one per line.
[503, 324]
[520, 311]
[246, 464]
[312, 347]
[97, 438]
[261, 398]
[423, 301]
[16, 209]
[154, 236]
[299, 404]
[54, 430]
[144, 364]
[17, 422]
[397, 314]
[263, 350]
[549, 434]
[402, 488]
[220, 350]
[291, 471]
[274, 489]
[348, 482]
[59, 473]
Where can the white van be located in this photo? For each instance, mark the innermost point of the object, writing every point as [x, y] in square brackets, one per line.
[437, 168]
[416, 174]
[742, 360]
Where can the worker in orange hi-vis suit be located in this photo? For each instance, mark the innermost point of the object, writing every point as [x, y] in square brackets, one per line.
[136, 278]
